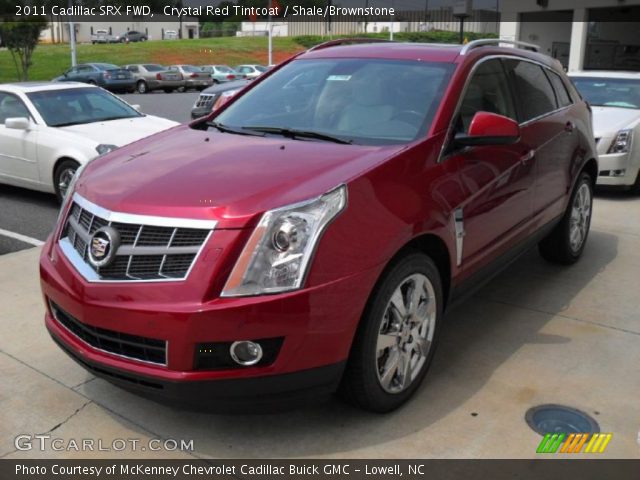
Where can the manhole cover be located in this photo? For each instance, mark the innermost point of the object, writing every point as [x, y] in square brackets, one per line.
[560, 419]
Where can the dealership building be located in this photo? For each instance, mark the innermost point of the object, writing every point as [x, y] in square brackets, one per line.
[584, 35]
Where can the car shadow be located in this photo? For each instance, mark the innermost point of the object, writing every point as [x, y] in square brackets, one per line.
[478, 337]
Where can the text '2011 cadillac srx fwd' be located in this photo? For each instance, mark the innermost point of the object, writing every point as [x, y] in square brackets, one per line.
[308, 236]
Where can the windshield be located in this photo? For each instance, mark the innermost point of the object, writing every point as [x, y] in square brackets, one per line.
[154, 68]
[609, 92]
[79, 105]
[364, 101]
[223, 69]
[260, 68]
[189, 68]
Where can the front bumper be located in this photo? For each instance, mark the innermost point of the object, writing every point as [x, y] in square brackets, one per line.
[611, 167]
[200, 112]
[317, 326]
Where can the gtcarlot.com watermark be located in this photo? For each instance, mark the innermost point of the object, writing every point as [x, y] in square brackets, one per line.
[47, 443]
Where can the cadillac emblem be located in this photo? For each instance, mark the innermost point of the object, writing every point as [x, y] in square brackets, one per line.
[103, 246]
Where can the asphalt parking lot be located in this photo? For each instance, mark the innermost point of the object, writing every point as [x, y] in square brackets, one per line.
[27, 217]
[537, 334]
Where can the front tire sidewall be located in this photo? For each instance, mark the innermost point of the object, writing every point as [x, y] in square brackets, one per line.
[360, 383]
[141, 87]
[65, 165]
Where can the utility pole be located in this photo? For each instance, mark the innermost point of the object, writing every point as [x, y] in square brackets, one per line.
[393, 3]
[72, 37]
[270, 34]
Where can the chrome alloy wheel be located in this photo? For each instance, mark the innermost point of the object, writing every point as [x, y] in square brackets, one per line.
[406, 333]
[580, 214]
[65, 180]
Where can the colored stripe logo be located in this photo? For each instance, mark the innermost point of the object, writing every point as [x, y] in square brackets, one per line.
[574, 443]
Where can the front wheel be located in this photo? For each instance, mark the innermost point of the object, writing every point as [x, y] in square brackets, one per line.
[396, 339]
[567, 240]
[62, 177]
[142, 87]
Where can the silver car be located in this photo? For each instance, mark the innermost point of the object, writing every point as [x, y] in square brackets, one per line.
[151, 76]
[194, 77]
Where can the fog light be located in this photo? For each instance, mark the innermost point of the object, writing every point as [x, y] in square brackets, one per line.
[618, 173]
[246, 353]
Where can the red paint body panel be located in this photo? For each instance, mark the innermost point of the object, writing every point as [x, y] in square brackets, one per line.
[395, 195]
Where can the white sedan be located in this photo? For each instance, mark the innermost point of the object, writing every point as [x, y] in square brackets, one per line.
[47, 130]
[615, 100]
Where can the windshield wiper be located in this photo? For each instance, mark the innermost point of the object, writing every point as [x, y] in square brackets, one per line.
[238, 131]
[293, 133]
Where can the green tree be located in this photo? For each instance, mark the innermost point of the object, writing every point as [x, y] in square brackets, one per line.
[21, 39]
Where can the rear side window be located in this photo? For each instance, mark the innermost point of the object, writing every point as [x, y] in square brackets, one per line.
[533, 90]
[562, 95]
[488, 91]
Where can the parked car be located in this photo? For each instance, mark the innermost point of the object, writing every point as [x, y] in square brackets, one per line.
[104, 75]
[103, 36]
[251, 71]
[312, 234]
[222, 73]
[615, 100]
[48, 130]
[151, 77]
[209, 97]
[194, 77]
[133, 36]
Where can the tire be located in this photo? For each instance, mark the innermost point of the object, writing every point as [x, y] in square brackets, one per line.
[371, 381]
[566, 242]
[61, 177]
[142, 87]
[216, 82]
[91, 82]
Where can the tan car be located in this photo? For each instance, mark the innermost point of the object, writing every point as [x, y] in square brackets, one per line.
[151, 77]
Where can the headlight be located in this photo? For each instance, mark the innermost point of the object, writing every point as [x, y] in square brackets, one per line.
[102, 149]
[622, 142]
[278, 253]
[69, 195]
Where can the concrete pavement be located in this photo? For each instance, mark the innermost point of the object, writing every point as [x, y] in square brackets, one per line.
[538, 333]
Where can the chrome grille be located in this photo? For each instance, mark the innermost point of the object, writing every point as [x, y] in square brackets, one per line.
[205, 101]
[150, 248]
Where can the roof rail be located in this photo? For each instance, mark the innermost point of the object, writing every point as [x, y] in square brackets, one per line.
[346, 41]
[497, 41]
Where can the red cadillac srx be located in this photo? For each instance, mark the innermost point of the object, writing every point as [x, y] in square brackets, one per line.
[308, 237]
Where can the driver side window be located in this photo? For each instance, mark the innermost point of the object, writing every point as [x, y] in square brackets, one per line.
[488, 91]
[11, 107]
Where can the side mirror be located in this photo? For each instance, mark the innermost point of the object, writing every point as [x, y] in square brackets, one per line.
[489, 129]
[17, 123]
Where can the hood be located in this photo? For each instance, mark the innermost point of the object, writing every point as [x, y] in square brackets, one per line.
[120, 132]
[221, 176]
[607, 121]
